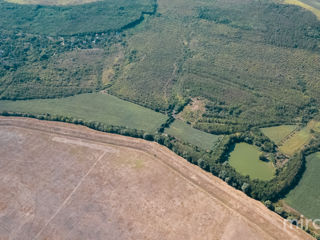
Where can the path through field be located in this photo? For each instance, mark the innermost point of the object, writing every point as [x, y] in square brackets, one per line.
[61, 181]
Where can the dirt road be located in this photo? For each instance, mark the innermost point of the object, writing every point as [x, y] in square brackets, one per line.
[62, 181]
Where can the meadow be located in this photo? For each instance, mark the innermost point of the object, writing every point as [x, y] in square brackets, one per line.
[305, 196]
[232, 54]
[278, 133]
[186, 133]
[245, 159]
[299, 139]
[92, 107]
[252, 64]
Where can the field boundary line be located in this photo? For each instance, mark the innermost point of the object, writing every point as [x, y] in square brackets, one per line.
[202, 181]
[70, 195]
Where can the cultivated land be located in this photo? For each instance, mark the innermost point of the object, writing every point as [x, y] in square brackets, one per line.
[278, 133]
[98, 107]
[191, 135]
[305, 197]
[245, 159]
[243, 64]
[63, 181]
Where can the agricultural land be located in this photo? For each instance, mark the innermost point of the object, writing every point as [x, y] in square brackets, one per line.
[92, 107]
[86, 184]
[305, 197]
[230, 86]
[196, 137]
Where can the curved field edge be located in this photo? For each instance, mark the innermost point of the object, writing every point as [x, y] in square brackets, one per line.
[245, 159]
[305, 196]
[97, 107]
[185, 132]
[219, 191]
[304, 4]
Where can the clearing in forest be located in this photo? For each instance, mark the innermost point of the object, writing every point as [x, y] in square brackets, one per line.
[278, 133]
[245, 159]
[63, 180]
[299, 138]
[185, 132]
[97, 107]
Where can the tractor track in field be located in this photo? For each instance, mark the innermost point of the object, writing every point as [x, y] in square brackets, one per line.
[255, 214]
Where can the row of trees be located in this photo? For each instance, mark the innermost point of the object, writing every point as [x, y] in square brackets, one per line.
[214, 161]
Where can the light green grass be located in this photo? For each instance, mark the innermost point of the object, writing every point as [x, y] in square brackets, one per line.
[277, 134]
[245, 159]
[92, 107]
[298, 140]
[305, 197]
[191, 135]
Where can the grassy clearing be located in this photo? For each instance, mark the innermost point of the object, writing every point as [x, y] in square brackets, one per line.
[299, 139]
[310, 5]
[191, 135]
[278, 133]
[305, 197]
[92, 107]
[245, 159]
[221, 52]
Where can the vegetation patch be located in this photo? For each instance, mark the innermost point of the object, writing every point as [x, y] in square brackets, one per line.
[310, 5]
[196, 137]
[245, 159]
[305, 196]
[97, 107]
[298, 140]
[96, 17]
[278, 133]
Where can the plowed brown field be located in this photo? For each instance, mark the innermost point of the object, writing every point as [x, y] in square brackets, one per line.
[61, 181]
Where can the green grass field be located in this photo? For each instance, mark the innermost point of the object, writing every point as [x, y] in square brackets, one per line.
[278, 133]
[299, 139]
[191, 135]
[245, 159]
[92, 107]
[305, 198]
[296, 142]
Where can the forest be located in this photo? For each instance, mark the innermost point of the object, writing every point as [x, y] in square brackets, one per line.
[225, 67]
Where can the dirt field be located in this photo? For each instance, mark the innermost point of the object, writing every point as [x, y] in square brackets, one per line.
[60, 181]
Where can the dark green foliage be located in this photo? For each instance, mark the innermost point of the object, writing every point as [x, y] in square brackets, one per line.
[97, 17]
[38, 42]
[280, 25]
[214, 161]
[269, 205]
